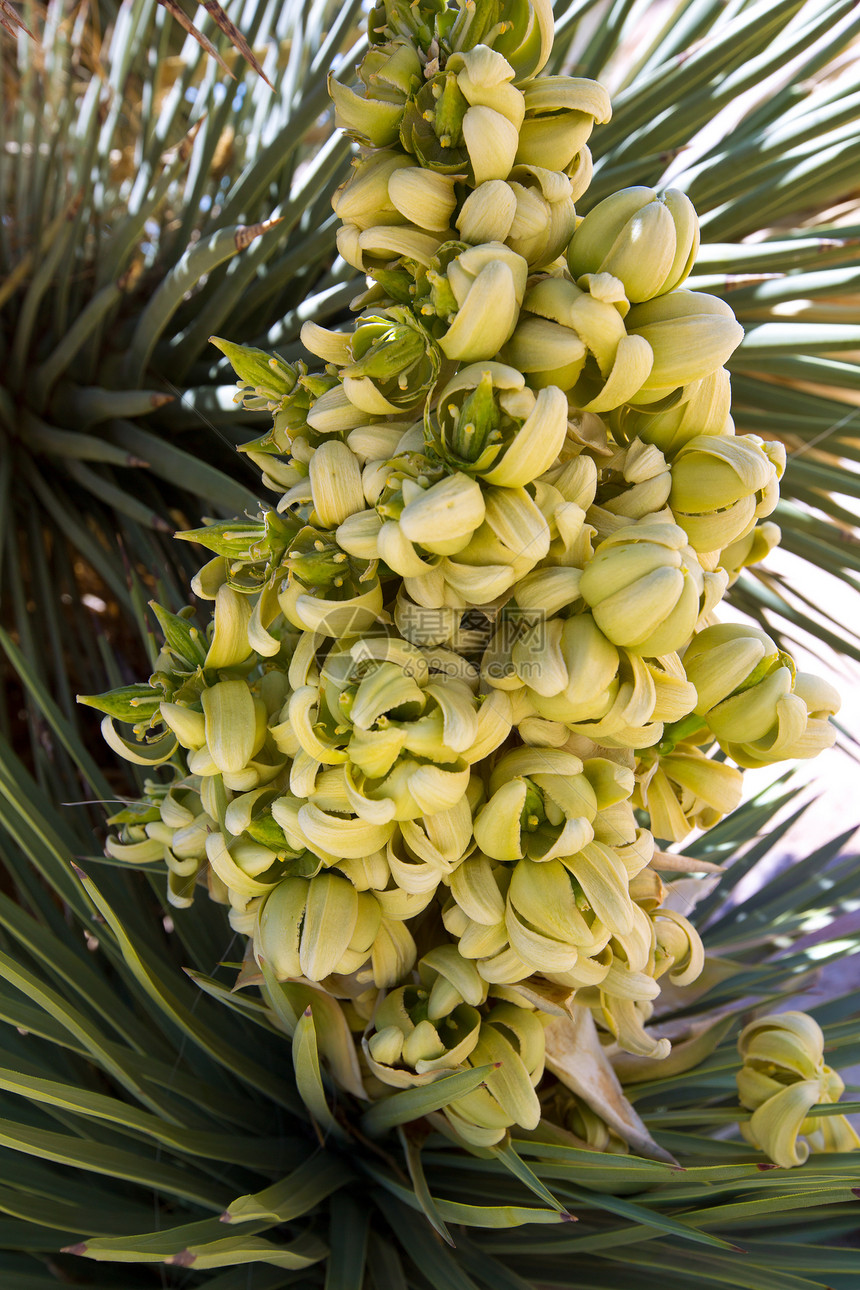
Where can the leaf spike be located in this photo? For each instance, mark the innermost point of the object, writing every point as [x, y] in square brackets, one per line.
[246, 233]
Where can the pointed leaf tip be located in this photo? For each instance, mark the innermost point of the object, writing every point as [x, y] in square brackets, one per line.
[184, 1259]
[568, 1218]
[79, 871]
[80, 1248]
[247, 233]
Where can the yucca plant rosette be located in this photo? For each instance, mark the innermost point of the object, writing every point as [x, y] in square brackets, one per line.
[349, 1217]
[466, 675]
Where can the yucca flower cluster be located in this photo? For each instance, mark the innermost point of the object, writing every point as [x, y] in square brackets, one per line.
[782, 1080]
[467, 669]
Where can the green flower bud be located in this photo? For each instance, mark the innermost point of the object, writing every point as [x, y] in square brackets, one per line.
[648, 242]
[389, 74]
[645, 588]
[489, 424]
[783, 1076]
[722, 484]
[561, 112]
[526, 36]
[394, 363]
[466, 119]
[690, 333]
[315, 558]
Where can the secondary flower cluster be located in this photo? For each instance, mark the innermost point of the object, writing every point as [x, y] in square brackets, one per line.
[466, 669]
[783, 1078]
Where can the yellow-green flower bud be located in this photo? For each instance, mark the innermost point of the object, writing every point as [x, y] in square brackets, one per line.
[442, 514]
[728, 659]
[752, 549]
[569, 669]
[722, 484]
[487, 213]
[511, 1042]
[644, 586]
[363, 199]
[348, 610]
[636, 484]
[232, 725]
[684, 790]
[544, 216]
[390, 74]
[703, 410]
[561, 327]
[540, 806]
[425, 198]
[415, 1035]
[648, 242]
[690, 333]
[403, 735]
[489, 424]
[782, 1078]
[308, 927]
[561, 112]
[188, 725]
[547, 928]
[751, 699]
[335, 480]
[679, 949]
[229, 645]
[524, 35]
[477, 291]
